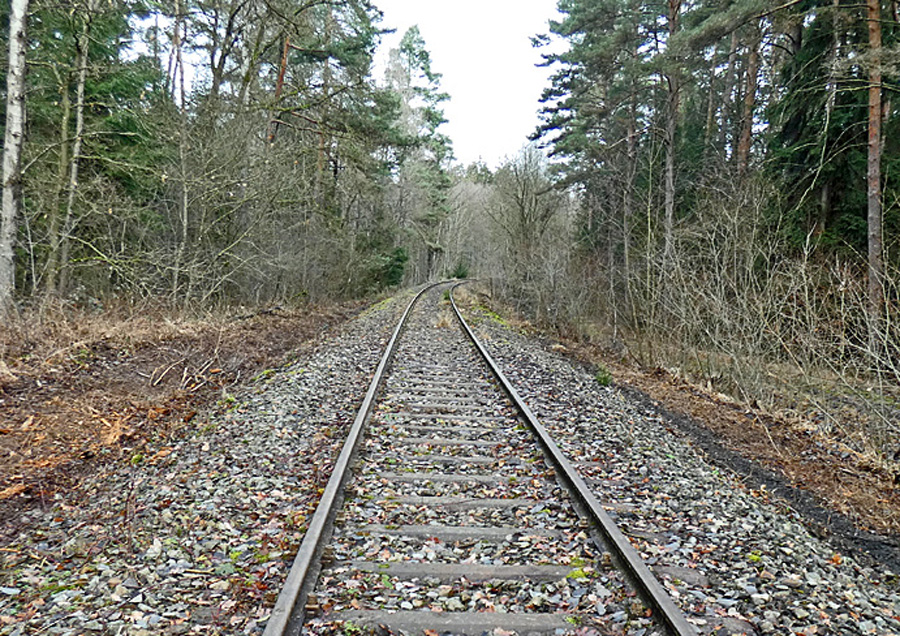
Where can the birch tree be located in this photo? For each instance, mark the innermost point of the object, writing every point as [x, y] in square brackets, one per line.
[12, 149]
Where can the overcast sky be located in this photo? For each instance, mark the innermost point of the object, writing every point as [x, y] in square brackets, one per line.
[483, 49]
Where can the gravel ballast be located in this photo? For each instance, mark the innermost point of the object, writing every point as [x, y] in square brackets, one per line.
[454, 533]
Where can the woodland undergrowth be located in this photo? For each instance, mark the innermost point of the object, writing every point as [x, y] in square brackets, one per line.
[738, 309]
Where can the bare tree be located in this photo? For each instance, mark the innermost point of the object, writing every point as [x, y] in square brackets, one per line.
[673, 100]
[59, 254]
[524, 211]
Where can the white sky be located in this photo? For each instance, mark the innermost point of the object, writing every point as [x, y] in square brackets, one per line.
[483, 50]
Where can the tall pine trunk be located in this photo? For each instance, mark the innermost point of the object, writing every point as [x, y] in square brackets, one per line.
[728, 93]
[12, 150]
[873, 174]
[711, 102]
[746, 139]
[673, 98]
[279, 87]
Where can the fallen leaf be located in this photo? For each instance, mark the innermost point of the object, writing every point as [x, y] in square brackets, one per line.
[12, 491]
[160, 454]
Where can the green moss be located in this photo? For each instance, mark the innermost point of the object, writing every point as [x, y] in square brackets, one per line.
[262, 375]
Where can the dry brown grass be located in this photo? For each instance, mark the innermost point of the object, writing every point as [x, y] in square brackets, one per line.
[804, 431]
[77, 385]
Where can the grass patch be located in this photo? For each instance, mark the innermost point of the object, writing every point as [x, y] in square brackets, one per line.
[603, 376]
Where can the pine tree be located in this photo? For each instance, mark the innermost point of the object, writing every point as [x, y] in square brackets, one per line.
[819, 120]
[424, 182]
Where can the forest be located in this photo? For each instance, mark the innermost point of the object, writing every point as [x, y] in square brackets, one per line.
[713, 188]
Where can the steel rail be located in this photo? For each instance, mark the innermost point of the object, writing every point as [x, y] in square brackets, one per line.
[623, 553]
[289, 611]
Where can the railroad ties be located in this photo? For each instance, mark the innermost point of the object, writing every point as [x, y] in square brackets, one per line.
[452, 521]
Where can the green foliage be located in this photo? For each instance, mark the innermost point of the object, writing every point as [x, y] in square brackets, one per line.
[395, 264]
[577, 574]
[603, 376]
[460, 271]
[479, 172]
[201, 197]
[492, 315]
[422, 164]
[817, 143]
[603, 116]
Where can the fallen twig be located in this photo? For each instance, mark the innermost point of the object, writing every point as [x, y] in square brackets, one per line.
[164, 373]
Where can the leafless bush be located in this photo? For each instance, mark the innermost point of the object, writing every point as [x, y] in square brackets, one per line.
[731, 307]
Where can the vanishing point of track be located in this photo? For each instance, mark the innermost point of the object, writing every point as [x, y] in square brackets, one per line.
[451, 510]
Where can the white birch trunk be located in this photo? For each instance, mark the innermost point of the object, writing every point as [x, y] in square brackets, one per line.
[12, 149]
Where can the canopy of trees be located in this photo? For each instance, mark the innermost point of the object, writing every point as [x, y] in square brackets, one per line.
[735, 164]
[220, 150]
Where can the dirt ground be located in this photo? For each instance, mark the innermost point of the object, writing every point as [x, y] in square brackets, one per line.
[78, 387]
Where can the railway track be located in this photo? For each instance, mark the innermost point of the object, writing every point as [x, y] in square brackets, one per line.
[450, 510]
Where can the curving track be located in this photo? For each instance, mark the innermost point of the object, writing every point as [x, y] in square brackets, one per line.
[454, 520]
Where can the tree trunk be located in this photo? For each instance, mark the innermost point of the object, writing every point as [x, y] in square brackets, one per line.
[325, 193]
[61, 279]
[743, 149]
[629, 202]
[727, 91]
[711, 101]
[873, 174]
[735, 124]
[55, 206]
[832, 84]
[182, 240]
[672, 105]
[279, 87]
[12, 150]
